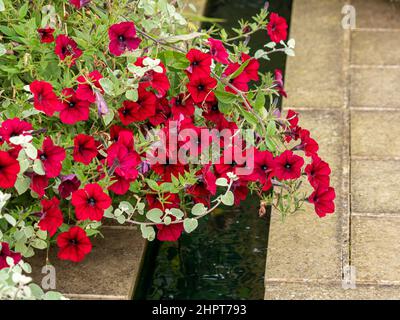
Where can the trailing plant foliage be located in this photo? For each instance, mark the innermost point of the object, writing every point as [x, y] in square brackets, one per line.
[126, 110]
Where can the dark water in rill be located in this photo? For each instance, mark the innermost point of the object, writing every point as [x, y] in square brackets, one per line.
[224, 258]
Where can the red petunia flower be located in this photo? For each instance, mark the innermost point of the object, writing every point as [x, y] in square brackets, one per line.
[46, 35]
[318, 172]
[85, 149]
[323, 200]
[239, 82]
[166, 169]
[277, 28]
[173, 231]
[85, 89]
[68, 185]
[73, 244]
[157, 80]
[39, 184]
[123, 37]
[74, 109]
[67, 47]
[163, 112]
[240, 190]
[13, 128]
[251, 70]
[308, 145]
[44, 98]
[182, 104]
[233, 157]
[278, 81]
[52, 157]
[264, 168]
[288, 166]
[90, 202]
[200, 62]
[205, 186]
[5, 252]
[212, 113]
[200, 88]
[79, 3]
[140, 110]
[123, 161]
[218, 51]
[52, 217]
[9, 169]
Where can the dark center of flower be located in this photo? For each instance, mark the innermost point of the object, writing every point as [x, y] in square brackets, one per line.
[178, 102]
[73, 242]
[288, 166]
[264, 167]
[91, 202]
[71, 104]
[43, 157]
[234, 163]
[125, 112]
[195, 63]
[200, 87]
[214, 107]
[121, 38]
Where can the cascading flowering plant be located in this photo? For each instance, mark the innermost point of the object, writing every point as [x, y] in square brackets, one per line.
[123, 110]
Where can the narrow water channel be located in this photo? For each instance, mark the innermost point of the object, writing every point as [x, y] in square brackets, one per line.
[225, 257]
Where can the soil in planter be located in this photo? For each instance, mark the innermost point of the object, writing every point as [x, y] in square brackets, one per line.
[224, 258]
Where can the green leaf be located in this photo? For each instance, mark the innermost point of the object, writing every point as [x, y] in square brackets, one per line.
[131, 95]
[2, 7]
[3, 49]
[108, 117]
[10, 219]
[148, 232]
[240, 69]
[153, 185]
[178, 213]
[126, 207]
[22, 184]
[38, 167]
[222, 182]
[199, 209]
[184, 37]
[39, 244]
[31, 151]
[271, 128]
[260, 101]
[52, 295]
[190, 224]
[107, 85]
[228, 198]
[225, 97]
[154, 215]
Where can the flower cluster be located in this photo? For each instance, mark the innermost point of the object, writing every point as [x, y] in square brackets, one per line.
[150, 130]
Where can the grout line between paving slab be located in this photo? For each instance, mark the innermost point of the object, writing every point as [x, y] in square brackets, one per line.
[346, 153]
[376, 30]
[375, 158]
[376, 215]
[381, 109]
[375, 66]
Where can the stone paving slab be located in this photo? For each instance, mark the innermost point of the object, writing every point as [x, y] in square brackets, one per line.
[375, 87]
[320, 291]
[305, 246]
[375, 186]
[108, 272]
[370, 132]
[377, 13]
[375, 246]
[319, 86]
[375, 48]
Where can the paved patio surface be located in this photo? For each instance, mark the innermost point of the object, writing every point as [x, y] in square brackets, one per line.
[346, 84]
